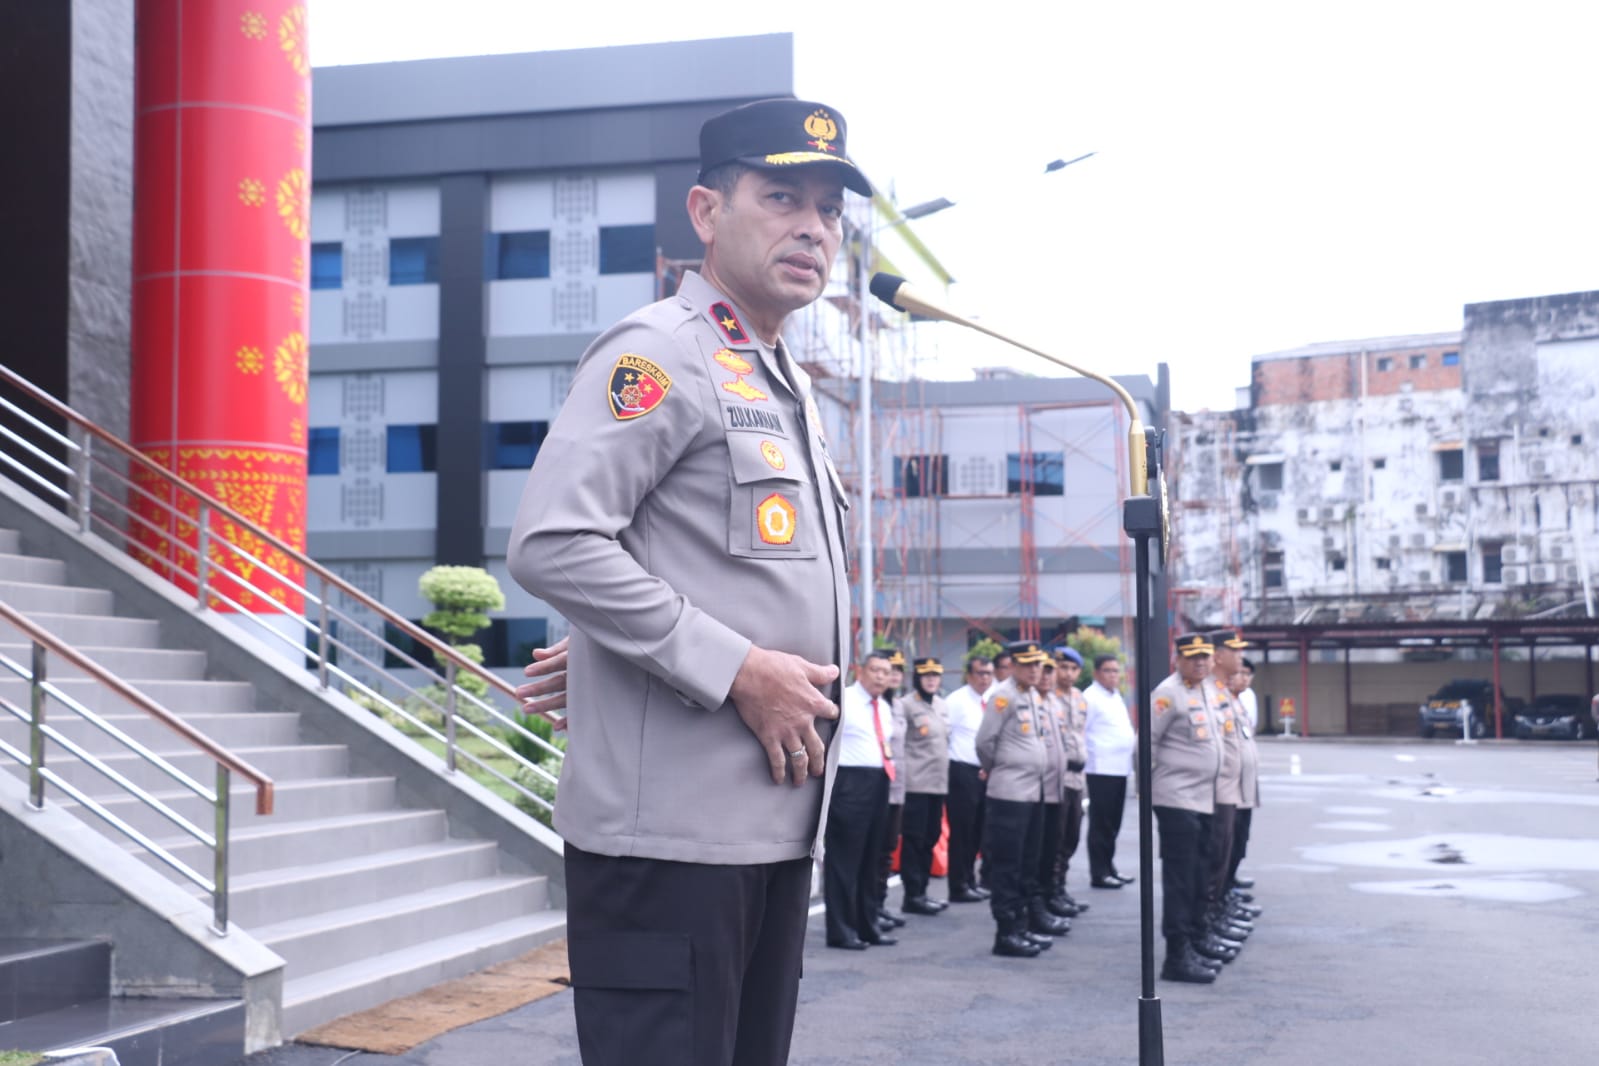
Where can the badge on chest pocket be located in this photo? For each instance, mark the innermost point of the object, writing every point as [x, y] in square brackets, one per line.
[773, 502]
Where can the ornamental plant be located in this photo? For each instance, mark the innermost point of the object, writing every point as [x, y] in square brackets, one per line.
[986, 648]
[1090, 644]
[461, 597]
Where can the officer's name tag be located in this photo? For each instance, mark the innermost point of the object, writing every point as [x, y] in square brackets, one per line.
[752, 419]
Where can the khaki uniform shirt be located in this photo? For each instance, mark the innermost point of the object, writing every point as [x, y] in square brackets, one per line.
[1229, 778]
[1076, 734]
[1187, 751]
[896, 787]
[682, 507]
[1249, 778]
[926, 766]
[1009, 746]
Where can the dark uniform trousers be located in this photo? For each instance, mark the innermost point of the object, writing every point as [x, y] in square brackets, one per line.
[1183, 877]
[924, 822]
[893, 826]
[1071, 831]
[1041, 883]
[853, 838]
[1012, 836]
[1107, 798]
[687, 964]
[1241, 824]
[965, 824]
[1222, 827]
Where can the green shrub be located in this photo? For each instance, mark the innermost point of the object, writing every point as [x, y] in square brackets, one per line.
[987, 648]
[540, 727]
[536, 784]
[1091, 644]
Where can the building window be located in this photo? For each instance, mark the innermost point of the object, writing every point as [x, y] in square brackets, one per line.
[1418, 362]
[1336, 562]
[1487, 462]
[1269, 477]
[1045, 473]
[401, 651]
[1493, 567]
[322, 450]
[1576, 439]
[509, 642]
[1455, 567]
[1451, 465]
[1336, 465]
[512, 445]
[1383, 562]
[1385, 363]
[1450, 359]
[516, 255]
[327, 266]
[921, 475]
[1272, 569]
[414, 261]
[413, 449]
[627, 249]
[1379, 464]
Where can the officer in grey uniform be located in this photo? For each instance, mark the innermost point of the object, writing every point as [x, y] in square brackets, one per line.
[1187, 756]
[1224, 919]
[1248, 788]
[1041, 877]
[894, 819]
[926, 776]
[1074, 730]
[1012, 753]
[684, 515]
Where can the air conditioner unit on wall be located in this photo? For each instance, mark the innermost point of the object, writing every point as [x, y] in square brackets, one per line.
[1449, 497]
[1423, 510]
[1514, 553]
[1573, 573]
[1541, 574]
[1329, 514]
[1395, 540]
[1423, 577]
[1418, 540]
[1304, 514]
[1539, 467]
[1559, 552]
[1268, 501]
[1513, 575]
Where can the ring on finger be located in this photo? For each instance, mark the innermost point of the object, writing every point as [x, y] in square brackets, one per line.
[797, 754]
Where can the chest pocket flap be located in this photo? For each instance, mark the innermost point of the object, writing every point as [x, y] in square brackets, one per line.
[773, 506]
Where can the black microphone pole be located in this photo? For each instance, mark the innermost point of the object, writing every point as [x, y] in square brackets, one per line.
[1143, 519]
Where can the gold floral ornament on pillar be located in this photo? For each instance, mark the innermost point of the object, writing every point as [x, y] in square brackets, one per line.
[252, 193]
[249, 359]
[253, 25]
[291, 37]
[294, 203]
[291, 366]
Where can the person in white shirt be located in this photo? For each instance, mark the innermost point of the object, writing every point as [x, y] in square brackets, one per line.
[965, 803]
[1243, 820]
[858, 810]
[1111, 741]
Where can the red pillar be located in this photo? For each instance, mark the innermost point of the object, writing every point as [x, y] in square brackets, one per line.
[1304, 686]
[220, 250]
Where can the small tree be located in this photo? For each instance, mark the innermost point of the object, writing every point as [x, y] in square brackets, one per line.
[1091, 644]
[987, 648]
[461, 597]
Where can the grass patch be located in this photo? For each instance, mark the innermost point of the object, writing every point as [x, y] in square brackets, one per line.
[484, 751]
[20, 1058]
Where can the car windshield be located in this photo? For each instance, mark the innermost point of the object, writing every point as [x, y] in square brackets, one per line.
[1559, 704]
[1459, 691]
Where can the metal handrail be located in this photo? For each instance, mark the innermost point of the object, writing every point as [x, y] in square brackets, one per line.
[45, 644]
[90, 500]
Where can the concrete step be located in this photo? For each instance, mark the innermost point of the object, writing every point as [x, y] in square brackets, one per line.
[291, 892]
[152, 1031]
[337, 938]
[32, 568]
[285, 763]
[239, 730]
[136, 665]
[100, 630]
[293, 801]
[270, 845]
[310, 1000]
[10, 541]
[38, 976]
[27, 596]
[179, 697]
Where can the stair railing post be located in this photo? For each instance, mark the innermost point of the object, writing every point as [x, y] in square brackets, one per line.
[36, 729]
[322, 631]
[202, 567]
[85, 483]
[449, 715]
[219, 872]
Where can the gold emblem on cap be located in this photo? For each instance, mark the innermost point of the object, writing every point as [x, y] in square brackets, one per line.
[820, 125]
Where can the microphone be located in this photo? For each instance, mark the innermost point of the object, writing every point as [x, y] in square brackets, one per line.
[897, 293]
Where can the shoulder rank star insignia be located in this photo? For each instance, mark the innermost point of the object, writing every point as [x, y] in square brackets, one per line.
[744, 391]
[730, 360]
[637, 387]
[732, 329]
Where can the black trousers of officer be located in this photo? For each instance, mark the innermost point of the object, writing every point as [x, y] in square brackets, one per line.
[1182, 872]
[1041, 883]
[1222, 827]
[1107, 798]
[852, 838]
[965, 824]
[1241, 824]
[924, 823]
[698, 963]
[893, 827]
[1071, 831]
[1012, 834]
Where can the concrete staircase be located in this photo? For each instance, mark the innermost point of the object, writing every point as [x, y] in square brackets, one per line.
[364, 899]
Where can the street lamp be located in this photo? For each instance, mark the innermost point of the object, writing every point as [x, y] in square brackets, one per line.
[868, 578]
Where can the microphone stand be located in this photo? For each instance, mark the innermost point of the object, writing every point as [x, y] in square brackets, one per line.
[1143, 519]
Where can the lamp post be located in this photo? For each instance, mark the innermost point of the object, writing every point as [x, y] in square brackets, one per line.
[868, 351]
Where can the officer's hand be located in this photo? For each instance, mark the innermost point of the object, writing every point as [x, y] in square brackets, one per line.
[778, 696]
[547, 696]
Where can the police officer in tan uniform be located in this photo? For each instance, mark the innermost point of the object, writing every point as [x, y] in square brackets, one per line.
[1041, 877]
[1226, 660]
[926, 764]
[1012, 753]
[894, 819]
[1249, 791]
[1074, 727]
[1187, 756]
[684, 515]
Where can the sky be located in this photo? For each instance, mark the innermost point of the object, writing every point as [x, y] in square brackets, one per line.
[1265, 175]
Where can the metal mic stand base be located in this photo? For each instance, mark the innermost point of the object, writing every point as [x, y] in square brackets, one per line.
[1141, 520]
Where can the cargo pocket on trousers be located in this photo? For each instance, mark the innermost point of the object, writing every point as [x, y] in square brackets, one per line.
[632, 991]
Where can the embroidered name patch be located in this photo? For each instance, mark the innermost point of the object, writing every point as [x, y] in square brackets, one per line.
[637, 387]
[775, 520]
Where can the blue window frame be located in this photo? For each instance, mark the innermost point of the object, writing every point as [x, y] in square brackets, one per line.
[412, 449]
[1451, 359]
[322, 452]
[413, 261]
[327, 266]
[627, 249]
[1047, 473]
[524, 254]
[512, 445]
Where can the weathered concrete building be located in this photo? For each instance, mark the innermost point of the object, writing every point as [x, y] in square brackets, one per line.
[1414, 477]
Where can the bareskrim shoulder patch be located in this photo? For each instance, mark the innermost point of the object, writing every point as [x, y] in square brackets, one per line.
[637, 387]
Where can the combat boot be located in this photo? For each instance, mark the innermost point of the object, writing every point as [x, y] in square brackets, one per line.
[1213, 947]
[1009, 940]
[1039, 920]
[1181, 965]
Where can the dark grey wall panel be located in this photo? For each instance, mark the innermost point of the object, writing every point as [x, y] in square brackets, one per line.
[673, 233]
[374, 355]
[463, 213]
[541, 348]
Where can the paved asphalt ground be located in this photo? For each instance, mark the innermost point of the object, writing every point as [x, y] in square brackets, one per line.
[1426, 903]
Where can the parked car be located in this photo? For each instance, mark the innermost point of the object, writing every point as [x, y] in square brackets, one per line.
[1443, 709]
[1565, 716]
